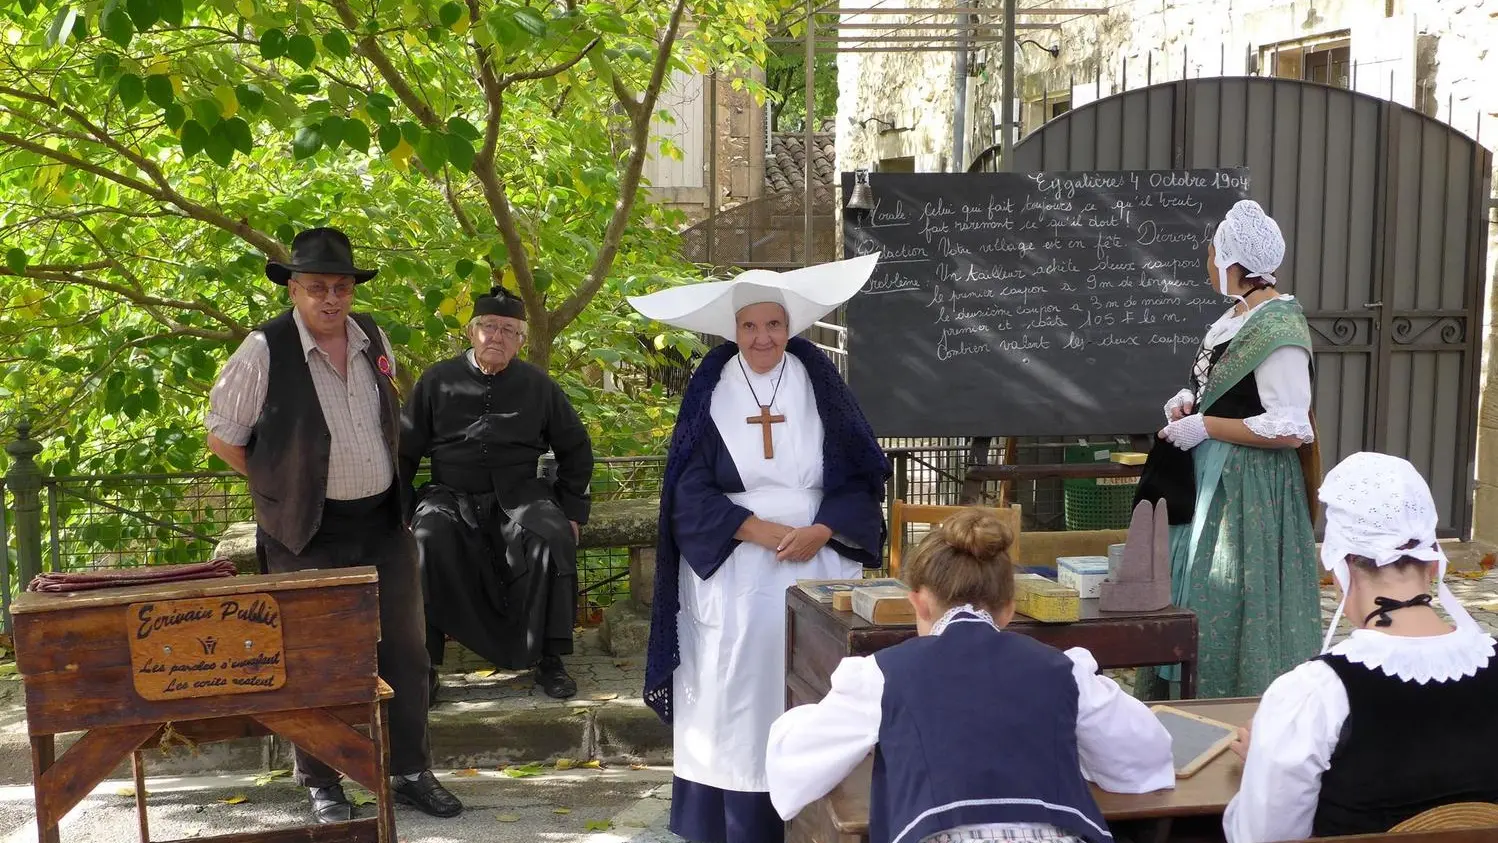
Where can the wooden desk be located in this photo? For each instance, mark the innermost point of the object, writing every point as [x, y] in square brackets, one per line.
[817, 637]
[291, 654]
[843, 815]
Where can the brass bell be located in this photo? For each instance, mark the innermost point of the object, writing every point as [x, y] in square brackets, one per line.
[863, 195]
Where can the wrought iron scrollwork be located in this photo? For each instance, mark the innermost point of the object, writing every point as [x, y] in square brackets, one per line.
[1339, 330]
[1408, 330]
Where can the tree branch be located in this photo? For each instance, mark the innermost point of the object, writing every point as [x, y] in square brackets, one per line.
[627, 100]
[464, 221]
[370, 49]
[86, 166]
[556, 110]
[547, 72]
[629, 185]
[494, 189]
[143, 300]
[162, 191]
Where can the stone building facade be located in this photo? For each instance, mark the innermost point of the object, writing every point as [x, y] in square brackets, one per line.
[706, 110]
[899, 111]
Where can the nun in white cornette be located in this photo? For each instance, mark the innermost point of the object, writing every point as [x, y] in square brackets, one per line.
[977, 733]
[773, 476]
[1397, 718]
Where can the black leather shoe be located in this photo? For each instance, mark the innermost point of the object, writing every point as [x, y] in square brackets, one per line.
[434, 685]
[330, 805]
[552, 676]
[426, 794]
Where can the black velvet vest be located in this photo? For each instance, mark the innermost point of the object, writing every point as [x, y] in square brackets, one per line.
[1406, 748]
[287, 454]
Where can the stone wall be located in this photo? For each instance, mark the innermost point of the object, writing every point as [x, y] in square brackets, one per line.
[1431, 54]
[894, 105]
[1439, 56]
[739, 131]
[739, 134]
[741, 145]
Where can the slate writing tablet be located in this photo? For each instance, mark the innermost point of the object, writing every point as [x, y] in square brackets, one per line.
[1194, 739]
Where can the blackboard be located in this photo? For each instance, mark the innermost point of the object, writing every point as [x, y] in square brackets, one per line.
[1028, 304]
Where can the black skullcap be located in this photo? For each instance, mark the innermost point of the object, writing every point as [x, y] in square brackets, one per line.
[499, 302]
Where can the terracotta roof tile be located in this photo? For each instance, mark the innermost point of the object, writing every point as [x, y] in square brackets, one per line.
[785, 166]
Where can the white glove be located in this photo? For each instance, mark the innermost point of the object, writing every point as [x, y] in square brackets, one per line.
[1186, 433]
[1179, 405]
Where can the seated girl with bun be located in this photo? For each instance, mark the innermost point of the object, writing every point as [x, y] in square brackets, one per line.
[977, 733]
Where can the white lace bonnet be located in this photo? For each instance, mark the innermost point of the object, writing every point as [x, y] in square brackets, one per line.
[1380, 508]
[1250, 238]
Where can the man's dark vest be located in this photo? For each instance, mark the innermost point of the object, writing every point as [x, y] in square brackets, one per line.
[977, 726]
[1407, 747]
[287, 455]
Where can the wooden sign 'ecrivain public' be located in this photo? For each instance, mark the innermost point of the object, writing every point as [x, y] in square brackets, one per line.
[206, 647]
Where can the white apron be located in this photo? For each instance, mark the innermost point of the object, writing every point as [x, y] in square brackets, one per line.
[731, 683]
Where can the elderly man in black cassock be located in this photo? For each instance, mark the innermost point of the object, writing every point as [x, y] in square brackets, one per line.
[498, 543]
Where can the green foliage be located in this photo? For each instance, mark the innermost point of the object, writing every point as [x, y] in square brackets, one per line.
[785, 75]
[154, 153]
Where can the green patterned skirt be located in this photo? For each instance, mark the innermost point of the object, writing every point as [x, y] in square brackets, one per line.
[1246, 566]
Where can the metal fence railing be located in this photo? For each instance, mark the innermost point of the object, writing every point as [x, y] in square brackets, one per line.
[130, 520]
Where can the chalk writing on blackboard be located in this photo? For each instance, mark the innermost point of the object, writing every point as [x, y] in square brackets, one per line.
[1035, 303]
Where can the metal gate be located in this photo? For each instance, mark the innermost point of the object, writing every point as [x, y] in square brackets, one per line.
[1384, 210]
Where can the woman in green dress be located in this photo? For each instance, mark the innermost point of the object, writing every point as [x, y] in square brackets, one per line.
[1237, 463]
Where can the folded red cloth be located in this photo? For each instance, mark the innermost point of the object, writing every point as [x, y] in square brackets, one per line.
[120, 577]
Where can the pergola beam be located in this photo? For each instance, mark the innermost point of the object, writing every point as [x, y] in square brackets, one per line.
[959, 27]
[966, 10]
[911, 39]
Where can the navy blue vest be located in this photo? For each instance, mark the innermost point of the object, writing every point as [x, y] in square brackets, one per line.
[978, 726]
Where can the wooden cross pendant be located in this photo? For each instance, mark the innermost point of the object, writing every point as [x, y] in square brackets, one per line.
[764, 420]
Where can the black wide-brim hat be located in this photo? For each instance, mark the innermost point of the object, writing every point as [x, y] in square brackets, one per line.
[324, 251]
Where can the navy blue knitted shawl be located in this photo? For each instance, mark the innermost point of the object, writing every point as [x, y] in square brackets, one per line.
[850, 454]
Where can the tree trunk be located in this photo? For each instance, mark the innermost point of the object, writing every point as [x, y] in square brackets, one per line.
[538, 346]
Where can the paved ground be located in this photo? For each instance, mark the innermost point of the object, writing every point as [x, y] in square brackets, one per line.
[596, 806]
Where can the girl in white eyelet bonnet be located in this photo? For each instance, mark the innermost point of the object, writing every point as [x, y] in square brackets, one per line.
[1397, 718]
[1236, 463]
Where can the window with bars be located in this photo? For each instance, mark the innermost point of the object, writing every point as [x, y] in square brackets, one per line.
[1327, 60]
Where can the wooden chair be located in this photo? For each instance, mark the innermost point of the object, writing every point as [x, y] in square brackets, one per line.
[1453, 816]
[902, 513]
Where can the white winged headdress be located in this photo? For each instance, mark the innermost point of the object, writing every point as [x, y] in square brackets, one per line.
[807, 295]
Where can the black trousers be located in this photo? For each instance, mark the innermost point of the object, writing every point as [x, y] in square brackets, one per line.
[369, 532]
[506, 591]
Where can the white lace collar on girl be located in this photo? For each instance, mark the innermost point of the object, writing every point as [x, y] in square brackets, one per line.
[966, 613]
[1436, 658]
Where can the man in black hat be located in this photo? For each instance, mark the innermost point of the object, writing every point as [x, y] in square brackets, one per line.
[498, 543]
[306, 410]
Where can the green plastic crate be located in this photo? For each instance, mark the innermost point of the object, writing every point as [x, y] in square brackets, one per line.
[1096, 503]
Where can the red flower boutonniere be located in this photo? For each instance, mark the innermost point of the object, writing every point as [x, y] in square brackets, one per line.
[383, 364]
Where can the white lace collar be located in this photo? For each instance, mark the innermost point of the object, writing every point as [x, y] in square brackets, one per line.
[1437, 658]
[951, 617]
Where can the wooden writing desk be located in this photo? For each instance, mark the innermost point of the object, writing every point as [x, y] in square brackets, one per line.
[843, 815]
[291, 654]
[817, 637]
